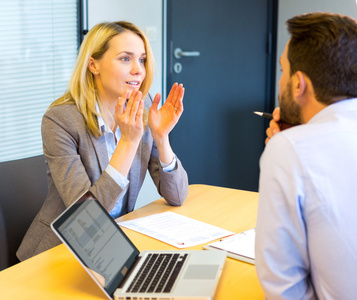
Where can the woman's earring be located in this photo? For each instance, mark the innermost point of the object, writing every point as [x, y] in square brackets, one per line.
[95, 73]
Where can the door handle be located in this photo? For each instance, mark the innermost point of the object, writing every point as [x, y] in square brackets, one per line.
[178, 53]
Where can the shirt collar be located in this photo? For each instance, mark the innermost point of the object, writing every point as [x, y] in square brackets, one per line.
[102, 126]
[335, 108]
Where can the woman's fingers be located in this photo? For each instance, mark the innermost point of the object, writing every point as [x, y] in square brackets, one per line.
[178, 103]
[172, 92]
[122, 102]
[129, 103]
[156, 102]
[134, 104]
[175, 96]
[139, 115]
[129, 115]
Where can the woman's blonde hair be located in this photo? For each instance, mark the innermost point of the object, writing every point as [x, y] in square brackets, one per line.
[82, 90]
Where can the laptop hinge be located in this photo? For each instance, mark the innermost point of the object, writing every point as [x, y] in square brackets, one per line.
[136, 261]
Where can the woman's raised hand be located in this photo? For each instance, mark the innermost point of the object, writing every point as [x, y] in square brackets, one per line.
[162, 121]
[129, 115]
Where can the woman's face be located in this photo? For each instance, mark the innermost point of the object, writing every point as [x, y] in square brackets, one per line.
[121, 67]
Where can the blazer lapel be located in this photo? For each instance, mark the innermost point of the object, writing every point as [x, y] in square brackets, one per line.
[133, 177]
[101, 151]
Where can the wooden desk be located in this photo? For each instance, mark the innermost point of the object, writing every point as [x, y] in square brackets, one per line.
[55, 274]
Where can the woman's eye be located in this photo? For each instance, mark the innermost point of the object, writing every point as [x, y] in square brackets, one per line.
[143, 60]
[125, 58]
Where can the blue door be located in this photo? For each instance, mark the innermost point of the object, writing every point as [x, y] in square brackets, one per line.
[223, 53]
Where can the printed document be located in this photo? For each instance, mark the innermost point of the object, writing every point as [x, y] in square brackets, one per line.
[175, 229]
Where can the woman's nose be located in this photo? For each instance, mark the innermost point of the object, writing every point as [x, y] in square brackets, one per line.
[137, 68]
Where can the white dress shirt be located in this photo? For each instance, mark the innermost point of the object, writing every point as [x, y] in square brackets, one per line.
[306, 232]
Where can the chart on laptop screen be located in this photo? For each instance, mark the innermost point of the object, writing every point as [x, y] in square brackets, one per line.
[96, 240]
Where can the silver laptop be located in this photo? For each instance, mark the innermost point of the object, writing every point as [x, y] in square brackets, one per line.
[121, 271]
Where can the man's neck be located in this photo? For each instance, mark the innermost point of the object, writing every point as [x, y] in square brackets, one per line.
[311, 109]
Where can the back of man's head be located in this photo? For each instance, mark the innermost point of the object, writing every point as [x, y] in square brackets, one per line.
[324, 47]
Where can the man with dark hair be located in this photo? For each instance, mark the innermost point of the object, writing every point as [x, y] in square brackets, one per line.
[306, 233]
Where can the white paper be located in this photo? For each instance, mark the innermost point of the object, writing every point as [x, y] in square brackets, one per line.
[241, 244]
[176, 230]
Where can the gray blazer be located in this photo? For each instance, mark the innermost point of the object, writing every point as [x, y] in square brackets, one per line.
[76, 162]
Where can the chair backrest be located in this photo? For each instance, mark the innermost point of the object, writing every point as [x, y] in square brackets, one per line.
[23, 188]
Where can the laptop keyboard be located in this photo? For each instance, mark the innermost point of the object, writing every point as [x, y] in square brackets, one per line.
[158, 273]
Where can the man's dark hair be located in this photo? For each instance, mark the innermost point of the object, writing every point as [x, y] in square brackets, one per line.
[324, 47]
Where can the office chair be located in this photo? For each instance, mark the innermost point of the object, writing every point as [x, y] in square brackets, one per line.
[23, 186]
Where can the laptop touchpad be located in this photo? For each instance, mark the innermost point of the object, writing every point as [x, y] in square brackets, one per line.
[201, 272]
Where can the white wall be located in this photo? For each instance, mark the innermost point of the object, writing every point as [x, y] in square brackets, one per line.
[146, 14]
[290, 8]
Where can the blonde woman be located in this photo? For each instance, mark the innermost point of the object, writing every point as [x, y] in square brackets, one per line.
[106, 131]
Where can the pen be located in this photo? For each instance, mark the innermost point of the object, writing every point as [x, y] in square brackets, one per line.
[282, 125]
[264, 114]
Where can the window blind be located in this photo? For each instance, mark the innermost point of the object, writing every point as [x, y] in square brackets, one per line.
[38, 49]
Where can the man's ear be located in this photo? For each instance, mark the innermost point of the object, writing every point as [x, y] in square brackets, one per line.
[299, 84]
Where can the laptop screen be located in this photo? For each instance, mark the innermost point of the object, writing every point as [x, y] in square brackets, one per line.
[97, 241]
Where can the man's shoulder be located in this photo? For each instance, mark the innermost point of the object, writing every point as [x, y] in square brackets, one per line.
[287, 145]
[304, 133]
[292, 135]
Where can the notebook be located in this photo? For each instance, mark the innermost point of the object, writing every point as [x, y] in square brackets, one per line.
[121, 271]
[239, 246]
